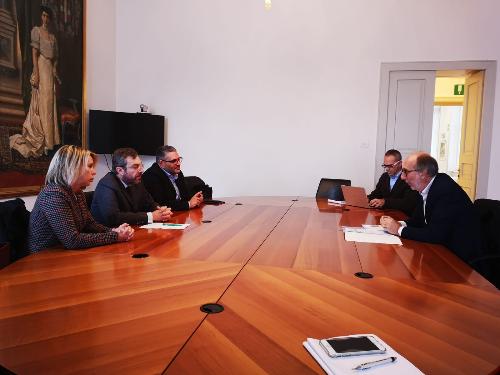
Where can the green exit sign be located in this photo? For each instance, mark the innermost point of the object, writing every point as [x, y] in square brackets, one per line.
[458, 89]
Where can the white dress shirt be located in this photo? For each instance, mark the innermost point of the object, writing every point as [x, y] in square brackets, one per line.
[424, 193]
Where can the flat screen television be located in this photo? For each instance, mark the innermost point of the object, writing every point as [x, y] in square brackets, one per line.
[110, 130]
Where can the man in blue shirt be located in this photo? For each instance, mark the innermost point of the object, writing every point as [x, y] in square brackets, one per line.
[165, 182]
[391, 191]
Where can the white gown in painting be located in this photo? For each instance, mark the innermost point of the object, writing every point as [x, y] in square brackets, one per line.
[40, 129]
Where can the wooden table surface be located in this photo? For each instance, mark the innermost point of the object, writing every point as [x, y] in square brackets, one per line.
[283, 272]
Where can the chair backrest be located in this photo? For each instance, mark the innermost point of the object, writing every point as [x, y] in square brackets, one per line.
[488, 264]
[14, 222]
[195, 184]
[4, 255]
[89, 195]
[330, 188]
[489, 219]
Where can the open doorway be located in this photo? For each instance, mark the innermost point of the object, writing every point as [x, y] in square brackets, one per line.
[406, 114]
[456, 127]
[447, 120]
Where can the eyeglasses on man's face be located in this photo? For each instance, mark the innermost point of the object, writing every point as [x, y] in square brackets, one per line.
[134, 167]
[387, 166]
[408, 171]
[173, 161]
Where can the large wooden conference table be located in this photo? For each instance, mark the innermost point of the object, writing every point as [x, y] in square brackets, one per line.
[283, 272]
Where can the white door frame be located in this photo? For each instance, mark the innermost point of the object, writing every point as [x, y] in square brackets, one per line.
[489, 67]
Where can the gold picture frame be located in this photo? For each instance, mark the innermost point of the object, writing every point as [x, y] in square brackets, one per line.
[39, 112]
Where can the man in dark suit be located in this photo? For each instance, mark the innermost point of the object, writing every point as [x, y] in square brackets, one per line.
[165, 181]
[391, 191]
[446, 215]
[120, 197]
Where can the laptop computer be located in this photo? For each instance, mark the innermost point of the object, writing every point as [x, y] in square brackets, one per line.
[355, 196]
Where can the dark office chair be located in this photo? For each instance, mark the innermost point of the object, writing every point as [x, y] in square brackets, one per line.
[330, 188]
[488, 264]
[14, 222]
[195, 184]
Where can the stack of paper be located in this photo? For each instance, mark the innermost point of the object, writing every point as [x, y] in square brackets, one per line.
[371, 234]
[333, 202]
[346, 365]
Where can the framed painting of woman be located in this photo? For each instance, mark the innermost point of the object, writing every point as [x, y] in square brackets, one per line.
[41, 88]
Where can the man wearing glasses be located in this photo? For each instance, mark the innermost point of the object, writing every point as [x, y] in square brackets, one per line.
[165, 181]
[446, 215]
[120, 197]
[391, 191]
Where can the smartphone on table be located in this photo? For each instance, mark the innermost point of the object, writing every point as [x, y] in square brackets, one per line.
[343, 346]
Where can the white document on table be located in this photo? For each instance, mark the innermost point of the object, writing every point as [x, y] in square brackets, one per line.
[388, 239]
[370, 234]
[373, 226]
[333, 202]
[345, 365]
[366, 228]
[165, 226]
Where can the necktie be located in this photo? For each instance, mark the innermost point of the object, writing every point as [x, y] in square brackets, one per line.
[177, 194]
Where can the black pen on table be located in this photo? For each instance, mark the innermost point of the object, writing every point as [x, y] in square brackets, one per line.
[368, 365]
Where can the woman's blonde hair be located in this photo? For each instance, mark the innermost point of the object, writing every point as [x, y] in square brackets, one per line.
[67, 165]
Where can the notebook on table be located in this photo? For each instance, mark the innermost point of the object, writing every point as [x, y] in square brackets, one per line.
[347, 365]
[355, 196]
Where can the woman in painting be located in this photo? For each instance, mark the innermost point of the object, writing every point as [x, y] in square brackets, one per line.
[40, 129]
[61, 215]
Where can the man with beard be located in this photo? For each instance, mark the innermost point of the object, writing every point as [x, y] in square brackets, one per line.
[120, 196]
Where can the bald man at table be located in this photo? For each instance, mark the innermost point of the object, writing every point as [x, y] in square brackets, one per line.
[446, 215]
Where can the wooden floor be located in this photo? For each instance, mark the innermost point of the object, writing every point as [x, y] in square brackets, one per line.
[283, 272]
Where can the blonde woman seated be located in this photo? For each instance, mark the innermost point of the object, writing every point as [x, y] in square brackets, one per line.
[60, 214]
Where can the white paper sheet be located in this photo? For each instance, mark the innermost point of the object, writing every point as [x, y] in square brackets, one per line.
[165, 226]
[333, 202]
[373, 229]
[373, 226]
[385, 238]
[345, 365]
